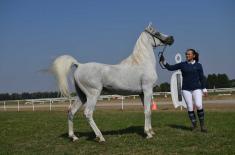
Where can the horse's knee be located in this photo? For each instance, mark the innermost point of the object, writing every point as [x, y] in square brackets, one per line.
[147, 112]
[88, 114]
[70, 114]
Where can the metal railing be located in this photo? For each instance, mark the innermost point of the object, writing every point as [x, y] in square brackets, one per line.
[49, 103]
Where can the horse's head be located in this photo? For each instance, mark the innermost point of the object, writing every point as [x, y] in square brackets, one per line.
[158, 38]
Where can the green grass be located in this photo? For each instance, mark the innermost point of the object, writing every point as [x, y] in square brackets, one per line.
[46, 133]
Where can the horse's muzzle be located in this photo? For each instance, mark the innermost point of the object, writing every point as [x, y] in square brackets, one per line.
[169, 40]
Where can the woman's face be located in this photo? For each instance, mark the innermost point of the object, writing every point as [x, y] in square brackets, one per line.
[189, 55]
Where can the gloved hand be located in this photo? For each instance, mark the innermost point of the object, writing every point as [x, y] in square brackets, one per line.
[162, 59]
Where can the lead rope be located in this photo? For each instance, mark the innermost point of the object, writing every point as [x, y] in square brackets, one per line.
[161, 54]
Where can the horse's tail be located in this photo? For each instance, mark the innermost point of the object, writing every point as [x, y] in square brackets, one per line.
[61, 68]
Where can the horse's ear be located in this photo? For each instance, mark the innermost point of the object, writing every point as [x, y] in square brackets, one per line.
[150, 24]
[149, 27]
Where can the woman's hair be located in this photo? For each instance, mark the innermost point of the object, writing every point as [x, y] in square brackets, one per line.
[196, 58]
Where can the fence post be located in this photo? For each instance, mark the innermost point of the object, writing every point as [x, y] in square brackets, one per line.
[4, 105]
[33, 105]
[18, 107]
[122, 102]
[50, 105]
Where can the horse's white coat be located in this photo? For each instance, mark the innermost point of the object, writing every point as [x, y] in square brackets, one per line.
[134, 75]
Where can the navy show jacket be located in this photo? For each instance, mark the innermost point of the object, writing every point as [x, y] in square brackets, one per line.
[193, 77]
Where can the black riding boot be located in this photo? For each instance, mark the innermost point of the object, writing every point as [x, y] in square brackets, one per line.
[192, 117]
[200, 114]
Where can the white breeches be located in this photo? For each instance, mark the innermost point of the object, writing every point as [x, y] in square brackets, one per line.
[195, 95]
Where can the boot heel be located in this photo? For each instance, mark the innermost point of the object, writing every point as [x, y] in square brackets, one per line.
[201, 114]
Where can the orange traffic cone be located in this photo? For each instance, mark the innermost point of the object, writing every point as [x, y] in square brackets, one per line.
[154, 105]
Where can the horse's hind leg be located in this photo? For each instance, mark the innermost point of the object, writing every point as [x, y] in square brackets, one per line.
[71, 112]
[90, 107]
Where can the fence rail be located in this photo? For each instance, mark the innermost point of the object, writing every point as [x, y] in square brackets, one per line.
[50, 103]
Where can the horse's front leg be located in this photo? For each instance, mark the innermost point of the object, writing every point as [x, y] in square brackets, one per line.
[147, 111]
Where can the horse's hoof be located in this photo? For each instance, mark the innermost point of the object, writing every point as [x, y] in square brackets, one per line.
[149, 136]
[75, 139]
[149, 133]
[100, 139]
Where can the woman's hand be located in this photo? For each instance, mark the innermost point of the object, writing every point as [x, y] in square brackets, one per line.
[205, 93]
[162, 59]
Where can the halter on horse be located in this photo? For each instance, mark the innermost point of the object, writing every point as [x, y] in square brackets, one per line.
[166, 41]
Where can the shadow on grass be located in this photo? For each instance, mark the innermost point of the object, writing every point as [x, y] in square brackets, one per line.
[90, 135]
[181, 127]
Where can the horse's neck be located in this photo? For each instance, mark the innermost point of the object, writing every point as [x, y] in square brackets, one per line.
[142, 53]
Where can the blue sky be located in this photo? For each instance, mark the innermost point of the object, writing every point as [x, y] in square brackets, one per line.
[34, 32]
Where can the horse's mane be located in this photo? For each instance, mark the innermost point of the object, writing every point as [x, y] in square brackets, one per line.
[139, 53]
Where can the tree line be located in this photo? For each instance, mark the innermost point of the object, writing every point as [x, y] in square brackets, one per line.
[219, 81]
[212, 81]
[25, 95]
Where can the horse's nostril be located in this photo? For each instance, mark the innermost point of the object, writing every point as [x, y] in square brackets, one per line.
[170, 40]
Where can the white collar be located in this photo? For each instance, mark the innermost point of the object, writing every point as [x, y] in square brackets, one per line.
[192, 62]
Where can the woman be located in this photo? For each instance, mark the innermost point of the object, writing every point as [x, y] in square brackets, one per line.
[193, 85]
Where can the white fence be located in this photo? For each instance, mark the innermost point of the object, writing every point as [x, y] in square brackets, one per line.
[46, 103]
[49, 103]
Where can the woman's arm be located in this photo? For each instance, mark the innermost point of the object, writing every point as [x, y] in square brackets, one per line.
[172, 67]
[169, 67]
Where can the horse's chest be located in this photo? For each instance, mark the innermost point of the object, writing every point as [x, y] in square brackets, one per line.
[150, 77]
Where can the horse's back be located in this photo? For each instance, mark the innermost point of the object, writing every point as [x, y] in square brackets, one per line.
[116, 78]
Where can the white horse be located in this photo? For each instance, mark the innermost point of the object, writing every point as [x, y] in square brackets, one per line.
[134, 75]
